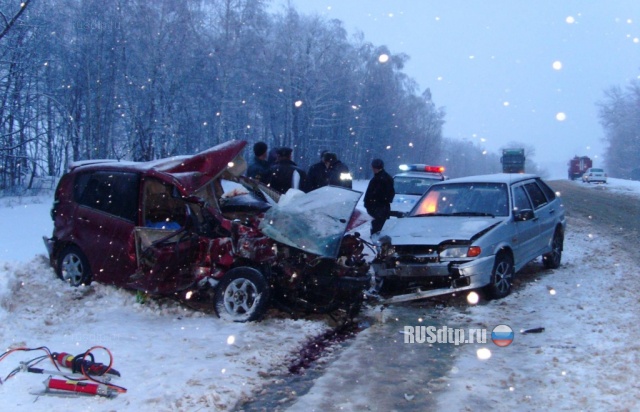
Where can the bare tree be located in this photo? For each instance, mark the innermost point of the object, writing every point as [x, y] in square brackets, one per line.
[8, 24]
[620, 118]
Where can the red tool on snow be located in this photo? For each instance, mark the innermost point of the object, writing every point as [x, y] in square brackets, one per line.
[79, 380]
[81, 364]
[89, 388]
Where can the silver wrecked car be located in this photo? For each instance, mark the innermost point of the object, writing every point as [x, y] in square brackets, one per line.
[471, 233]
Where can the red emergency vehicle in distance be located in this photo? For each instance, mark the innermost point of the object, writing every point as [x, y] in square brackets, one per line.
[578, 165]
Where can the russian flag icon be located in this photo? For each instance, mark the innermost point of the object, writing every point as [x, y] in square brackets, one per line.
[502, 335]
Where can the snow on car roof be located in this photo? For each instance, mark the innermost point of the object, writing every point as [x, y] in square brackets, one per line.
[215, 158]
[507, 178]
[130, 165]
[188, 172]
[423, 175]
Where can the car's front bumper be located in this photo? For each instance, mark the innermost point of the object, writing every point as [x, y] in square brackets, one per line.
[348, 285]
[448, 275]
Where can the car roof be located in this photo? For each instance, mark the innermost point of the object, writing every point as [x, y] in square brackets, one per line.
[507, 178]
[188, 172]
[437, 176]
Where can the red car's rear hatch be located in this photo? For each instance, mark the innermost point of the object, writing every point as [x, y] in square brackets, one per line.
[191, 173]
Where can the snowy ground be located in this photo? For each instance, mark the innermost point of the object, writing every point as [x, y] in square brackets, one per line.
[586, 359]
[172, 358]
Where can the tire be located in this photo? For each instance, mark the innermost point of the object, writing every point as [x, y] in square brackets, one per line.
[242, 295]
[355, 308]
[501, 277]
[552, 259]
[73, 267]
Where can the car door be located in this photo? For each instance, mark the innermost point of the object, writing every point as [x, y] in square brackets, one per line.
[105, 217]
[545, 216]
[166, 248]
[545, 210]
[524, 241]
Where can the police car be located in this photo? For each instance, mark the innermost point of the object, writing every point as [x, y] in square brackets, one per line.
[411, 183]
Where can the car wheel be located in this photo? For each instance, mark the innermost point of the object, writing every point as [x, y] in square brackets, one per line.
[552, 259]
[242, 295]
[501, 277]
[73, 267]
[355, 308]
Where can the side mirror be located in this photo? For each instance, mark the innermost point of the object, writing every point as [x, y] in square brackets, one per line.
[524, 214]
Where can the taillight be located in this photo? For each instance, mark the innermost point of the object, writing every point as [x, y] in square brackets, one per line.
[474, 251]
[434, 169]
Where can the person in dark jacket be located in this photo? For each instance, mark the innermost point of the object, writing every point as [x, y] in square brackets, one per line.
[379, 195]
[259, 167]
[317, 176]
[285, 174]
[272, 156]
[337, 172]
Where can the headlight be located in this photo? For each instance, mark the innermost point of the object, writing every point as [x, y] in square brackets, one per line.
[388, 250]
[453, 252]
[346, 176]
[384, 246]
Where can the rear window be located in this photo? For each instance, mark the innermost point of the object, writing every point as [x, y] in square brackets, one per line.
[597, 170]
[536, 194]
[547, 190]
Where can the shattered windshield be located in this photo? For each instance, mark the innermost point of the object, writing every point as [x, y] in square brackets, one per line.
[464, 199]
[314, 222]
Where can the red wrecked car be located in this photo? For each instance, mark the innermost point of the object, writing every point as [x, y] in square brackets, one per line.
[167, 227]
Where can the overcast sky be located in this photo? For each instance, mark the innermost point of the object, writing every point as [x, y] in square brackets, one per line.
[491, 63]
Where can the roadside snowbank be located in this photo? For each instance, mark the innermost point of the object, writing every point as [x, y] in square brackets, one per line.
[170, 357]
[587, 356]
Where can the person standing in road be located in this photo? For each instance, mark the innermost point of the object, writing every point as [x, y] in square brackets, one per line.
[337, 172]
[259, 167]
[285, 174]
[317, 176]
[379, 195]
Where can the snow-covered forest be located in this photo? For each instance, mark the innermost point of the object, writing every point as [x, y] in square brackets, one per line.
[140, 80]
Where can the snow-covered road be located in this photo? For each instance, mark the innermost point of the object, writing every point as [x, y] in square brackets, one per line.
[586, 358]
